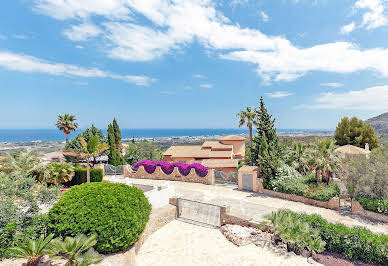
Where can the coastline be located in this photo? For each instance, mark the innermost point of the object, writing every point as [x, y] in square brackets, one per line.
[45, 146]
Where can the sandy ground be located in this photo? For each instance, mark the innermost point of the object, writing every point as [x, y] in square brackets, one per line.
[256, 205]
[179, 243]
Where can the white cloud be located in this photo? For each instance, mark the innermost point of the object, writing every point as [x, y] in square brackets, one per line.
[348, 28]
[206, 86]
[79, 47]
[20, 36]
[264, 16]
[26, 63]
[81, 83]
[82, 32]
[73, 9]
[278, 94]
[177, 23]
[167, 92]
[375, 17]
[374, 98]
[332, 84]
[291, 62]
[199, 76]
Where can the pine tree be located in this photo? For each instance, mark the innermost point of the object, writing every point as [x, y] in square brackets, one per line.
[266, 151]
[112, 157]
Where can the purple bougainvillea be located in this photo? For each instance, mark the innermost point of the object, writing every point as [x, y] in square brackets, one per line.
[168, 168]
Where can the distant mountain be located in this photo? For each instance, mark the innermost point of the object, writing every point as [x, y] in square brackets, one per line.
[380, 122]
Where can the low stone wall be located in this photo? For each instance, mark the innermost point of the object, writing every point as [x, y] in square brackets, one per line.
[333, 204]
[174, 176]
[359, 210]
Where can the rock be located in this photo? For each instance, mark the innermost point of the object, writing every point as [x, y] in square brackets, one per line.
[311, 260]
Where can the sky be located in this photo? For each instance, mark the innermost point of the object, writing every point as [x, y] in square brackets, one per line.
[191, 63]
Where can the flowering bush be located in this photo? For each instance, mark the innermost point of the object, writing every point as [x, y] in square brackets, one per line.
[290, 181]
[168, 168]
[149, 166]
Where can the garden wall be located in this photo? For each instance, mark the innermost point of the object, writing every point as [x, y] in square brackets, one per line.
[358, 209]
[174, 176]
[333, 204]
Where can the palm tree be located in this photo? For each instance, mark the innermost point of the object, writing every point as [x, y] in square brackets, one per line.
[78, 250]
[59, 173]
[297, 157]
[34, 250]
[248, 117]
[25, 163]
[90, 149]
[324, 160]
[66, 124]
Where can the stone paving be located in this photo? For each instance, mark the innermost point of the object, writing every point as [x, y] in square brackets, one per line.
[257, 205]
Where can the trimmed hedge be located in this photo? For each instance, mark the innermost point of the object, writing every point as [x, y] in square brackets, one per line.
[96, 175]
[374, 205]
[356, 243]
[117, 213]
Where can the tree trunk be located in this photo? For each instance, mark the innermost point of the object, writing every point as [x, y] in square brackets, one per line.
[33, 261]
[67, 138]
[87, 171]
[250, 136]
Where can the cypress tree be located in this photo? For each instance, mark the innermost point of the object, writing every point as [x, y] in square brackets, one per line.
[266, 151]
[118, 142]
[112, 157]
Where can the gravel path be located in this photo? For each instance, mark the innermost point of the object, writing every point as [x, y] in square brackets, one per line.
[179, 243]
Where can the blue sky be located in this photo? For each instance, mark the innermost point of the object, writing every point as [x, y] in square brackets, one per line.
[192, 63]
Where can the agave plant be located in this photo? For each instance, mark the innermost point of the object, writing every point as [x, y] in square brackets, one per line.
[33, 250]
[78, 250]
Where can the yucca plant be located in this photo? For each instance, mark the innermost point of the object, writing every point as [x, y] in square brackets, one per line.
[76, 250]
[33, 250]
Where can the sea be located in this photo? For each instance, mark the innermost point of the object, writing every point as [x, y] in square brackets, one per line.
[29, 135]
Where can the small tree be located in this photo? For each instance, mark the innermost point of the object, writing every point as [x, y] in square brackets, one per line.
[324, 160]
[115, 146]
[355, 132]
[248, 117]
[266, 151]
[66, 124]
[90, 149]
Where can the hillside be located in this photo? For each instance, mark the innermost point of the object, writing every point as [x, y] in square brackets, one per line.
[379, 122]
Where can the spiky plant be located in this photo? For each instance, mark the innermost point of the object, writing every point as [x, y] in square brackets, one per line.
[295, 233]
[24, 163]
[66, 123]
[33, 250]
[60, 173]
[76, 250]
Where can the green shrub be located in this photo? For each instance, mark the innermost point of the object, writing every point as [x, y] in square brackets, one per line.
[96, 175]
[117, 213]
[290, 181]
[295, 232]
[356, 243]
[374, 205]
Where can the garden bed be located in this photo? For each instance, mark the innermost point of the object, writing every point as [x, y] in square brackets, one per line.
[332, 204]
